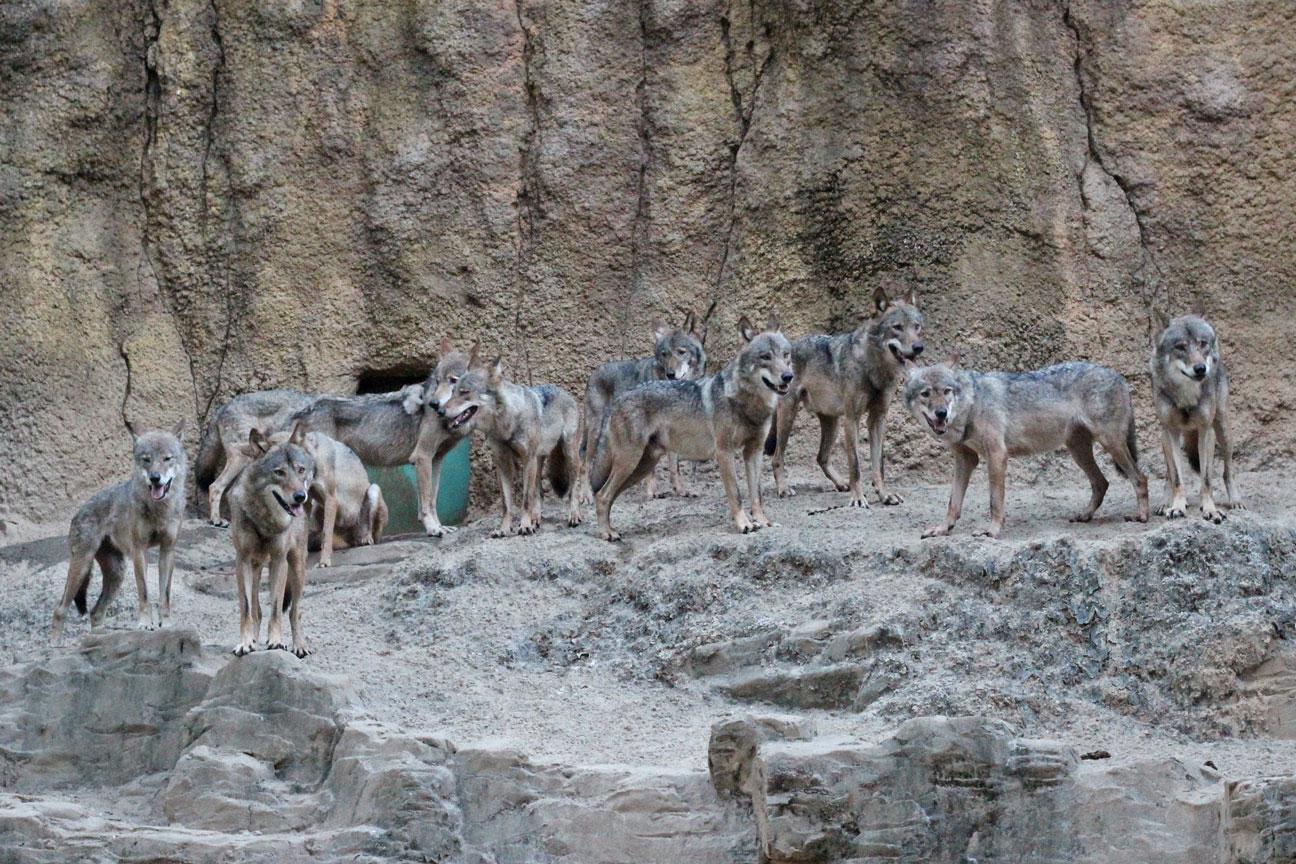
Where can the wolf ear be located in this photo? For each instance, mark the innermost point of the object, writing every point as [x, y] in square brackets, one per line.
[472, 352]
[660, 329]
[298, 435]
[178, 429]
[880, 299]
[772, 323]
[952, 361]
[1198, 307]
[745, 329]
[445, 345]
[135, 429]
[496, 375]
[1158, 321]
[260, 443]
[910, 364]
[413, 401]
[690, 322]
[912, 297]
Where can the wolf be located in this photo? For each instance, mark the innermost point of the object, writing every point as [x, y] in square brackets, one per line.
[268, 526]
[845, 377]
[1190, 389]
[537, 426]
[382, 429]
[994, 415]
[703, 419]
[347, 509]
[677, 355]
[125, 521]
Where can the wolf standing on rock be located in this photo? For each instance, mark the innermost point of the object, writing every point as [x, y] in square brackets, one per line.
[1190, 389]
[536, 426]
[268, 526]
[845, 377]
[994, 415]
[708, 418]
[128, 520]
[677, 355]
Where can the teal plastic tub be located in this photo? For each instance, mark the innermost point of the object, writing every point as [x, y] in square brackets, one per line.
[400, 491]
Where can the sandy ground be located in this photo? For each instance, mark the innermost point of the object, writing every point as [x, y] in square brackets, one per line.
[573, 649]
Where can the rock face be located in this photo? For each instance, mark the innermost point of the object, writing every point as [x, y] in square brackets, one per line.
[203, 197]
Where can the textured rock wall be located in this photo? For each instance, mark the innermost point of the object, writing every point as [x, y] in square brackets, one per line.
[200, 197]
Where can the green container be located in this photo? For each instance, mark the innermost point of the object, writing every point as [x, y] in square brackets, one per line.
[400, 491]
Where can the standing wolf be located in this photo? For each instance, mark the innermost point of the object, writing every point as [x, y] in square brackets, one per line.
[847, 376]
[677, 355]
[382, 429]
[994, 415]
[125, 522]
[268, 526]
[1190, 387]
[348, 510]
[708, 418]
[534, 425]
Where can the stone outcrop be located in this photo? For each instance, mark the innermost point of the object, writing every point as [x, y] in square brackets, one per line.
[203, 197]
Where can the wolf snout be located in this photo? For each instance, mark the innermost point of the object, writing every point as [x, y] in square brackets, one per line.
[1199, 371]
[155, 479]
[670, 373]
[941, 413]
[299, 496]
[917, 349]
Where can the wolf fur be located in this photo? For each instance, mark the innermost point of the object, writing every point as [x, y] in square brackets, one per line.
[347, 510]
[1190, 391]
[434, 439]
[994, 415]
[708, 418]
[677, 355]
[536, 426]
[268, 526]
[124, 522]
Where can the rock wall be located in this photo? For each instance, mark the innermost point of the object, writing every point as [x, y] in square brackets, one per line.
[201, 197]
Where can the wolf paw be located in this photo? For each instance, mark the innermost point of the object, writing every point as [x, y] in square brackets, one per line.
[1082, 517]
[1137, 517]
[526, 529]
[989, 533]
[842, 487]
[611, 535]
[573, 521]
[787, 492]
[1212, 514]
[323, 563]
[243, 649]
[1173, 511]
[145, 624]
[684, 492]
[276, 646]
[859, 502]
[1236, 505]
[890, 499]
[300, 649]
[218, 523]
[499, 532]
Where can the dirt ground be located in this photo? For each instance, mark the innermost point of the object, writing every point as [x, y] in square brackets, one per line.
[584, 652]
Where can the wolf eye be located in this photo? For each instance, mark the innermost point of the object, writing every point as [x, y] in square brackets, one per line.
[917, 328]
[898, 327]
[279, 472]
[949, 391]
[147, 460]
[1181, 346]
[301, 469]
[767, 356]
[454, 380]
[926, 394]
[681, 351]
[168, 458]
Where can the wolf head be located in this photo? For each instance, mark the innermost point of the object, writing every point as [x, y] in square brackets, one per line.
[449, 369]
[475, 391]
[678, 351]
[765, 355]
[159, 459]
[934, 394]
[281, 473]
[898, 327]
[1187, 347]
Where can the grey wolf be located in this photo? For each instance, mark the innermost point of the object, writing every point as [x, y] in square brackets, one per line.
[381, 429]
[1190, 388]
[994, 415]
[703, 419]
[677, 355]
[434, 439]
[268, 526]
[349, 510]
[846, 377]
[537, 426]
[126, 521]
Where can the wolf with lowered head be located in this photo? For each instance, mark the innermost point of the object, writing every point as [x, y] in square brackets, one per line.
[711, 417]
[124, 522]
[994, 415]
[1190, 390]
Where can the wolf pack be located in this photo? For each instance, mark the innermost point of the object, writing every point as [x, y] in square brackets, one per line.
[290, 467]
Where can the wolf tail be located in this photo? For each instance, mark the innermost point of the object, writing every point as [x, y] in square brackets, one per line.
[558, 470]
[209, 453]
[1131, 441]
[1191, 450]
[601, 466]
[771, 440]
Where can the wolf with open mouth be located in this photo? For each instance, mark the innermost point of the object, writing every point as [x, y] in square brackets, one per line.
[708, 418]
[269, 527]
[125, 522]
